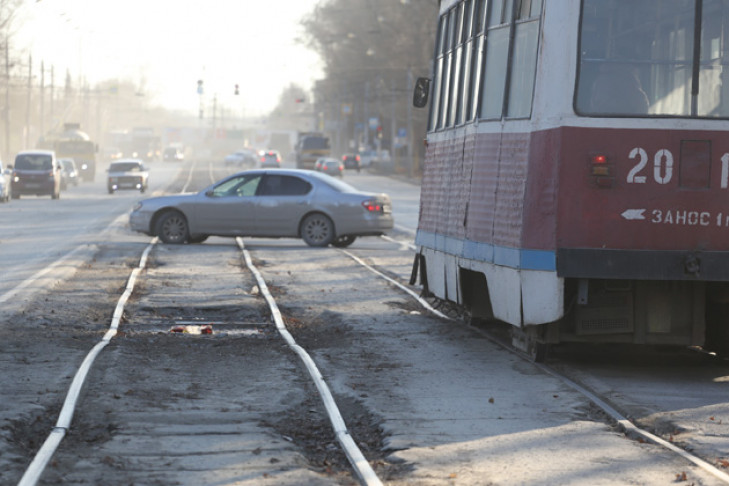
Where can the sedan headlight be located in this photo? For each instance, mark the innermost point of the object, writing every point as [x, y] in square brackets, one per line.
[137, 206]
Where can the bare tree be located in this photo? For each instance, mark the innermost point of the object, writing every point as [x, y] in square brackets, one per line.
[371, 50]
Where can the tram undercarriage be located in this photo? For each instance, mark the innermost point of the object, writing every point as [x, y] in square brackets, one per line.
[643, 312]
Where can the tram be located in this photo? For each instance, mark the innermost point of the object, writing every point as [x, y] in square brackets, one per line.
[576, 177]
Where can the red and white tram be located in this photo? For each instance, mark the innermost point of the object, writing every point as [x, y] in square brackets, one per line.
[576, 181]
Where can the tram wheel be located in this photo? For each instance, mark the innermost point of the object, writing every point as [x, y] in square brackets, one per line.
[717, 327]
[527, 340]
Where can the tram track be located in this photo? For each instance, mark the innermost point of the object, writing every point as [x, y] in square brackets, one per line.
[37, 467]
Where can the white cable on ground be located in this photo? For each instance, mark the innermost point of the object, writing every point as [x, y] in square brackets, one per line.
[422, 301]
[363, 469]
[628, 427]
[40, 461]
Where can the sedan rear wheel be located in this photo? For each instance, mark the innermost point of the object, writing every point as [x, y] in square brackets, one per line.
[343, 241]
[197, 238]
[172, 228]
[317, 230]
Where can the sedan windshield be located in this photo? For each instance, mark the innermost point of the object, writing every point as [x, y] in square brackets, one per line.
[125, 167]
[659, 58]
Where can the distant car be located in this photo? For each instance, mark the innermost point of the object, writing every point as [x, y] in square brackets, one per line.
[173, 154]
[36, 172]
[112, 153]
[241, 158]
[281, 203]
[330, 166]
[69, 173]
[5, 183]
[270, 159]
[351, 161]
[127, 174]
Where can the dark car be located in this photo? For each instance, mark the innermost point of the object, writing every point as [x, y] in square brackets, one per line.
[351, 161]
[276, 203]
[270, 159]
[330, 166]
[36, 172]
[173, 154]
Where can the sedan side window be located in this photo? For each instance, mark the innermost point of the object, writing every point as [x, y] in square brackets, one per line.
[284, 185]
[238, 186]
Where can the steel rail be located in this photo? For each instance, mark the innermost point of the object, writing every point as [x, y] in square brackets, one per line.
[45, 453]
[360, 464]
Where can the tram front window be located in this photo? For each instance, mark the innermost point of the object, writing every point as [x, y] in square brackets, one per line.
[637, 59]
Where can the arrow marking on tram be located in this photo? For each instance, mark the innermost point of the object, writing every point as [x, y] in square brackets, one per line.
[630, 214]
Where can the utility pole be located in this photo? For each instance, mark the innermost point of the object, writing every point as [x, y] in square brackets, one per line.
[6, 112]
[27, 107]
[42, 100]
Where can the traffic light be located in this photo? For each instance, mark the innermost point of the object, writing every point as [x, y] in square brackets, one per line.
[237, 91]
[379, 131]
[199, 86]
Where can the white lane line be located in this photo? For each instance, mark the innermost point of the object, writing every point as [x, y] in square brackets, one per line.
[40, 461]
[65, 258]
[354, 454]
[41, 273]
[189, 178]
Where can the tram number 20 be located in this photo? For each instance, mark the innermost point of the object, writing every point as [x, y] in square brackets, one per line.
[663, 167]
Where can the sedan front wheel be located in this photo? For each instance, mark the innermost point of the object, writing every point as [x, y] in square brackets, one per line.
[317, 230]
[172, 228]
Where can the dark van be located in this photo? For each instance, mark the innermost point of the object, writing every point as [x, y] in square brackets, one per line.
[36, 172]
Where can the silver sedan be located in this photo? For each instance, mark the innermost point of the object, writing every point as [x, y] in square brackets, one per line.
[267, 203]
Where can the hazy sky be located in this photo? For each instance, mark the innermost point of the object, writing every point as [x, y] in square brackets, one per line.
[165, 46]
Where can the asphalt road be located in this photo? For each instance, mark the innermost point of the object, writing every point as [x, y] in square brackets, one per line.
[432, 401]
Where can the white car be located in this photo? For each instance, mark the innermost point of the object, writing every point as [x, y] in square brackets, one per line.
[127, 174]
[241, 158]
[5, 186]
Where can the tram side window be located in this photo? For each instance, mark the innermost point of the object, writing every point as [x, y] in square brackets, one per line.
[524, 60]
[457, 61]
[438, 74]
[441, 45]
[472, 61]
[713, 96]
[467, 42]
[446, 69]
[477, 58]
[637, 59]
[523, 16]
